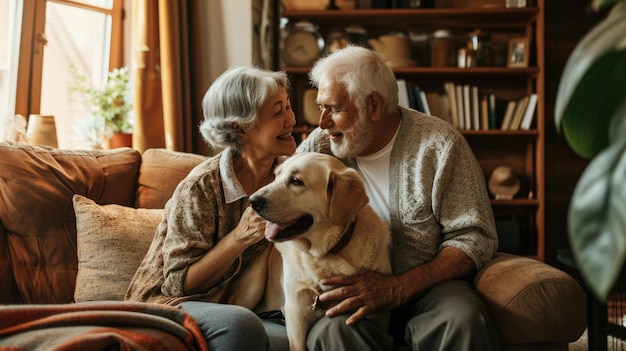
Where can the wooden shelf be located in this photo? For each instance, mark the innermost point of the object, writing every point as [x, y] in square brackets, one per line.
[453, 71]
[500, 133]
[469, 133]
[445, 17]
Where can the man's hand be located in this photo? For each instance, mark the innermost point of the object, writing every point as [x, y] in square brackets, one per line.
[372, 292]
[366, 293]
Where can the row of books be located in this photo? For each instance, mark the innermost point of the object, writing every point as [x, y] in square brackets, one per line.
[465, 108]
[519, 114]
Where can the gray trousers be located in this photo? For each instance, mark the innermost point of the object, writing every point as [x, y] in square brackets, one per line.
[235, 328]
[450, 316]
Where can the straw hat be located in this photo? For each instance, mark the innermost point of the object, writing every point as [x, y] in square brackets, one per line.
[503, 183]
[393, 49]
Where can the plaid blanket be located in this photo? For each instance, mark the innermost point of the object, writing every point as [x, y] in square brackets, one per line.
[99, 326]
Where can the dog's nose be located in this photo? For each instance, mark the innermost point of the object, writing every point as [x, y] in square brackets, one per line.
[257, 202]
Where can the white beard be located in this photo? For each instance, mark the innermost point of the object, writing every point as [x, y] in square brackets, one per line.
[355, 140]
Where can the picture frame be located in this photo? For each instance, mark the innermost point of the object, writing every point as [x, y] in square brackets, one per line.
[518, 52]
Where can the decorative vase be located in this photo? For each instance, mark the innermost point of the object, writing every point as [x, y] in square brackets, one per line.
[41, 130]
[119, 140]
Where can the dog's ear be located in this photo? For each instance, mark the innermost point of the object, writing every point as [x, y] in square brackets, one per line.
[347, 195]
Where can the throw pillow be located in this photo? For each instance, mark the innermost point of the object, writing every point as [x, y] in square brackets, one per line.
[111, 243]
[161, 171]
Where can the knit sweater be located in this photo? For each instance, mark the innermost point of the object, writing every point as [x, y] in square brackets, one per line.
[437, 192]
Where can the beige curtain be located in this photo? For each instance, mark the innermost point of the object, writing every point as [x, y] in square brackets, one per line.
[167, 66]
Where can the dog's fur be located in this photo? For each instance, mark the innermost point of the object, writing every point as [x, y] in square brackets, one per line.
[311, 204]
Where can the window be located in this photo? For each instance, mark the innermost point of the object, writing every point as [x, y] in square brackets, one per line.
[9, 37]
[58, 40]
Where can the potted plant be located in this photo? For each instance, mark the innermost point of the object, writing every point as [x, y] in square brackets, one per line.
[590, 112]
[111, 104]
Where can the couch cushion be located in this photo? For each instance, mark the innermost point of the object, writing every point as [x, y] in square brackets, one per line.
[161, 171]
[531, 301]
[112, 241]
[36, 189]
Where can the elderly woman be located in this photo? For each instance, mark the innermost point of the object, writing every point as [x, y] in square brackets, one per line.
[209, 236]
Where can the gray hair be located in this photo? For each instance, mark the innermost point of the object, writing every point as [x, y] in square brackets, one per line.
[233, 102]
[362, 71]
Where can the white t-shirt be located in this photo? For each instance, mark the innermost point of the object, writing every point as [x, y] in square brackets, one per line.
[374, 171]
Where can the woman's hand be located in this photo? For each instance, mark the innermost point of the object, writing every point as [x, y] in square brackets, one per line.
[251, 228]
[208, 270]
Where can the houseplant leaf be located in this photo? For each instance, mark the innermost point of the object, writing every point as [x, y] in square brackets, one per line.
[597, 219]
[591, 109]
[593, 103]
[591, 84]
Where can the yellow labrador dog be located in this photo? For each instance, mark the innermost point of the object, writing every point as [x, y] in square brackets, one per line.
[320, 221]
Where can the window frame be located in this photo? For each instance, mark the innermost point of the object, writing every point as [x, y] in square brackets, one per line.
[29, 71]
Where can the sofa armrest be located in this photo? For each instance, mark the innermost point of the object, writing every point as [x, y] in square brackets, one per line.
[531, 301]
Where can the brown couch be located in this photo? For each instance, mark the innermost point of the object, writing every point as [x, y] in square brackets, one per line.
[536, 306]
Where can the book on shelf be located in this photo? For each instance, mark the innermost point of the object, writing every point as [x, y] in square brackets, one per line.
[475, 104]
[436, 105]
[410, 95]
[446, 112]
[529, 114]
[424, 102]
[417, 93]
[484, 112]
[403, 95]
[467, 110]
[460, 113]
[520, 108]
[508, 115]
[410, 91]
[448, 87]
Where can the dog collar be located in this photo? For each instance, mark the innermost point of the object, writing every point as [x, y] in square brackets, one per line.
[345, 239]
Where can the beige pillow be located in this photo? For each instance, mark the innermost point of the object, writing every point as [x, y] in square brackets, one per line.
[112, 241]
[161, 171]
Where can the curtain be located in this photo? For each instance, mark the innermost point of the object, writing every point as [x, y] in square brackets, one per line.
[167, 71]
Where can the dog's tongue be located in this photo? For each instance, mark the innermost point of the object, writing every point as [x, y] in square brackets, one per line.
[272, 229]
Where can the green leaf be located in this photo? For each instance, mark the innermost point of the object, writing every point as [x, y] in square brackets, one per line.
[597, 219]
[594, 103]
[595, 69]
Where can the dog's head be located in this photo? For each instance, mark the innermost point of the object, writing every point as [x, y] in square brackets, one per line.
[313, 200]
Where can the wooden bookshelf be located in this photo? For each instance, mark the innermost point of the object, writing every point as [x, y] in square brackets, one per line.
[523, 150]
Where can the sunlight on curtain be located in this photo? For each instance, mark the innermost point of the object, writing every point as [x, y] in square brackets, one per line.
[168, 70]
